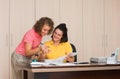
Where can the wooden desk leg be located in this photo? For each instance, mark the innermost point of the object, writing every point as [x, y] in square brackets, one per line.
[25, 74]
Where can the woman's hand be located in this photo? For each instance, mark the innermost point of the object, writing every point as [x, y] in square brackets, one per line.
[70, 58]
[44, 48]
[44, 51]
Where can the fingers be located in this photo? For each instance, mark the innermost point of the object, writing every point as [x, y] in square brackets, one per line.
[69, 58]
[45, 49]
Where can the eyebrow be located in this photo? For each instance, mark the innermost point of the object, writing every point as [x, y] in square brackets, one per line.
[57, 33]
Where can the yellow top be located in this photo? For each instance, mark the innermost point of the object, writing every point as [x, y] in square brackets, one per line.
[57, 51]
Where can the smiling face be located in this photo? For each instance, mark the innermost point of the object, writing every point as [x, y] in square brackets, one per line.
[45, 30]
[57, 35]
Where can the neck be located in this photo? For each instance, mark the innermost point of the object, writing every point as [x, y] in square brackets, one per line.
[56, 43]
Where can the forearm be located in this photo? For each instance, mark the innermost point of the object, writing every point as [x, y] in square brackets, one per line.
[32, 51]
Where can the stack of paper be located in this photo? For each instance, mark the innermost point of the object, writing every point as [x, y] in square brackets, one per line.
[37, 64]
[58, 61]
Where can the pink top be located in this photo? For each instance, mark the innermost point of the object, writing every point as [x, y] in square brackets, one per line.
[30, 37]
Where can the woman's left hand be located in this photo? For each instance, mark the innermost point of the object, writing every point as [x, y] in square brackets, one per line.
[70, 58]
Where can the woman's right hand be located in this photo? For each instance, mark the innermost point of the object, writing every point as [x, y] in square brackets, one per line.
[44, 48]
[43, 52]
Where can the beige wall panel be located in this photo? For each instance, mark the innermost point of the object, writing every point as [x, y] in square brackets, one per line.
[22, 19]
[4, 39]
[49, 8]
[93, 28]
[112, 26]
[71, 14]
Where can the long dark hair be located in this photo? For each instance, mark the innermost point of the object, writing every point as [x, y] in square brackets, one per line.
[63, 28]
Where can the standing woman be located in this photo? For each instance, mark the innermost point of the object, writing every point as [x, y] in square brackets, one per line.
[29, 45]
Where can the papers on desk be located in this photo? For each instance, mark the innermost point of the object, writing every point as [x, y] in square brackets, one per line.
[55, 61]
[58, 61]
[51, 62]
[38, 64]
[65, 64]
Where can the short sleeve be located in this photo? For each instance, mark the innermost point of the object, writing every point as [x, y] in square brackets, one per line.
[68, 47]
[28, 38]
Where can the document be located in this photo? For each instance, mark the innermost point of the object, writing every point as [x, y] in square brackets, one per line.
[58, 61]
[38, 64]
[55, 61]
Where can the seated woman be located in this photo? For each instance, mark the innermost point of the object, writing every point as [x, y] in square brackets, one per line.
[58, 46]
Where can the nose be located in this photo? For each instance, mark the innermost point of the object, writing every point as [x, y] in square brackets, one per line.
[55, 34]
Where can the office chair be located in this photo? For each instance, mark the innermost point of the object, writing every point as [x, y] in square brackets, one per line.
[74, 50]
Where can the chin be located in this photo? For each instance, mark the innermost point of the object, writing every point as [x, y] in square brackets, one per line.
[43, 34]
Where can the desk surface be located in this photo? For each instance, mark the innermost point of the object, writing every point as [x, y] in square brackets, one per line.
[77, 67]
[78, 71]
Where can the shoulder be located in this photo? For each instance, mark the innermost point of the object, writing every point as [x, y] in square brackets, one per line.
[66, 43]
[31, 31]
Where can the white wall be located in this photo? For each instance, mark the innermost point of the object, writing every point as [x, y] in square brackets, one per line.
[4, 39]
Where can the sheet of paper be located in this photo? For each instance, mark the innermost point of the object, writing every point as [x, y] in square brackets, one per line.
[58, 61]
[37, 64]
[73, 54]
[65, 64]
[55, 61]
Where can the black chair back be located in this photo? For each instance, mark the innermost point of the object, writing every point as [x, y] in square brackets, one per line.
[74, 50]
